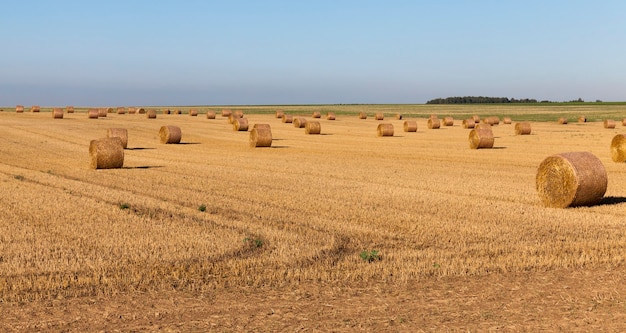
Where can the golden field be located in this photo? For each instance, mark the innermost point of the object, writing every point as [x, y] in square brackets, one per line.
[299, 213]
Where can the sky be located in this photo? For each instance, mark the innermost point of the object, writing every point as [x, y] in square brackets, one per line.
[271, 52]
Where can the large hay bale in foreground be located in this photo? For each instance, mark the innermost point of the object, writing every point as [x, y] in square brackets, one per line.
[19, 109]
[384, 130]
[410, 126]
[562, 121]
[210, 115]
[93, 113]
[618, 148]
[106, 153]
[121, 133]
[379, 116]
[312, 127]
[609, 123]
[260, 136]
[522, 128]
[448, 121]
[330, 116]
[362, 115]
[170, 134]
[570, 180]
[433, 123]
[481, 138]
[57, 113]
[468, 123]
[240, 124]
[151, 114]
[299, 122]
[69, 109]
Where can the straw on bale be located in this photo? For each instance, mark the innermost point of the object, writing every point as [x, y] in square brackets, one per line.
[131, 110]
[562, 121]
[226, 112]
[193, 112]
[398, 116]
[35, 108]
[141, 111]
[379, 116]
[618, 148]
[110, 110]
[482, 126]
[93, 113]
[261, 136]
[476, 118]
[582, 119]
[106, 153]
[287, 118]
[151, 114]
[570, 180]
[330, 116]
[362, 115]
[170, 134]
[299, 122]
[316, 114]
[448, 121]
[279, 113]
[121, 133]
[507, 121]
[522, 128]
[19, 108]
[240, 124]
[384, 130]
[433, 123]
[102, 112]
[410, 126]
[609, 123]
[121, 110]
[312, 127]
[468, 123]
[210, 115]
[57, 113]
[481, 138]
[69, 109]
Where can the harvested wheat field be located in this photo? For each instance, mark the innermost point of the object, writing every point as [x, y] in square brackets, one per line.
[340, 231]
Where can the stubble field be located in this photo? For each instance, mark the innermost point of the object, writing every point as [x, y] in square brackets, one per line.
[213, 235]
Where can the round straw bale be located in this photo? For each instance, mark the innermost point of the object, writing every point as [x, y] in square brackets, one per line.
[238, 113]
[132, 110]
[69, 109]
[618, 148]
[110, 110]
[571, 179]
[299, 122]
[468, 123]
[261, 136]
[102, 112]
[624, 122]
[379, 116]
[93, 113]
[193, 112]
[362, 115]
[410, 126]
[226, 112]
[316, 114]
[398, 116]
[121, 133]
[312, 127]
[507, 121]
[240, 124]
[231, 118]
[19, 108]
[279, 113]
[330, 116]
[433, 123]
[106, 153]
[35, 108]
[433, 116]
[170, 134]
[495, 120]
[448, 121]
[151, 114]
[482, 126]
[121, 110]
[57, 113]
[481, 138]
[167, 111]
[141, 111]
[582, 119]
[384, 130]
[562, 121]
[178, 111]
[287, 118]
[522, 128]
[476, 118]
[210, 115]
[609, 123]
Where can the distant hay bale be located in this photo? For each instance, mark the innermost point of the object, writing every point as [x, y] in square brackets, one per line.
[433, 116]
[398, 116]
[110, 110]
[238, 113]
[106, 153]
[69, 109]
[178, 111]
[231, 118]
[571, 179]
[19, 108]
[582, 119]
[379, 116]
[312, 127]
[481, 138]
[170, 134]
[132, 110]
[468, 123]
[448, 121]
[410, 126]
[279, 113]
[492, 120]
[93, 114]
[193, 112]
[299, 122]
[151, 114]
[609, 123]
[260, 136]
[121, 133]
[618, 148]
[210, 115]
[522, 128]
[330, 116]
[287, 118]
[102, 112]
[226, 112]
[433, 123]
[624, 122]
[482, 126]
[562, 121]
[316, 114]
[476, 118]
[35, 108]
[121, 110]
[384, 130]
[141, 111]
[167, 111]
[507, 121]
[362, 115]
[57, 113]
[240, 124]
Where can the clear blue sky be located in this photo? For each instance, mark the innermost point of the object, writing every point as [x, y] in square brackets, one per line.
[139, 52]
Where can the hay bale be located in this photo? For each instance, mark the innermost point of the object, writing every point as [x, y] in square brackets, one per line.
[433, 123]
[448, 121]
[330, 116]
[238, 113]
[379, 116]
[609, 123]
[69, 109]
[562, 121]
[507, 121]
[132, 110]
[106, 153]
[312, 127]
[110, 110]
[362, 115]
[482, 126]
[398, 116]
[279, 113]
[624, 122]
[433, 116]
[57, 113]
[468, 123]
[522, 128]
[410, 126]
[240, 124]
[170, 134]
[287, 118]
[384, 130]
[167, 111]
[19, 109]
[121, 110]
[141, 111]
[210, 115]
[260, 136]
[582, 119]
[618, 148]
[35, 108]
[492, 120]
[570, 180]
[226, 112]
[316, 114]
[102, 112]
[93, 113]
[476, 118]
[121, 133]
[481, 138]
[177, 111]
[151, 114]
[299, 122]
[193, 112]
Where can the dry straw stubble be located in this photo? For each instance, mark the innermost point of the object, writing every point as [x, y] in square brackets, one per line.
[170, 134]
[618, 148]
[106, 153]
[384, 130]
[121, 133]
[410, 126]
[481, 138]
[570, 180]
[261, 136]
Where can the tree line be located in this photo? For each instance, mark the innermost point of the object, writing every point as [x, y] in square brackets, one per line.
[479, 100]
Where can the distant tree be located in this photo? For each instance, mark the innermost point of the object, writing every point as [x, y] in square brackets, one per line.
[479, 100]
